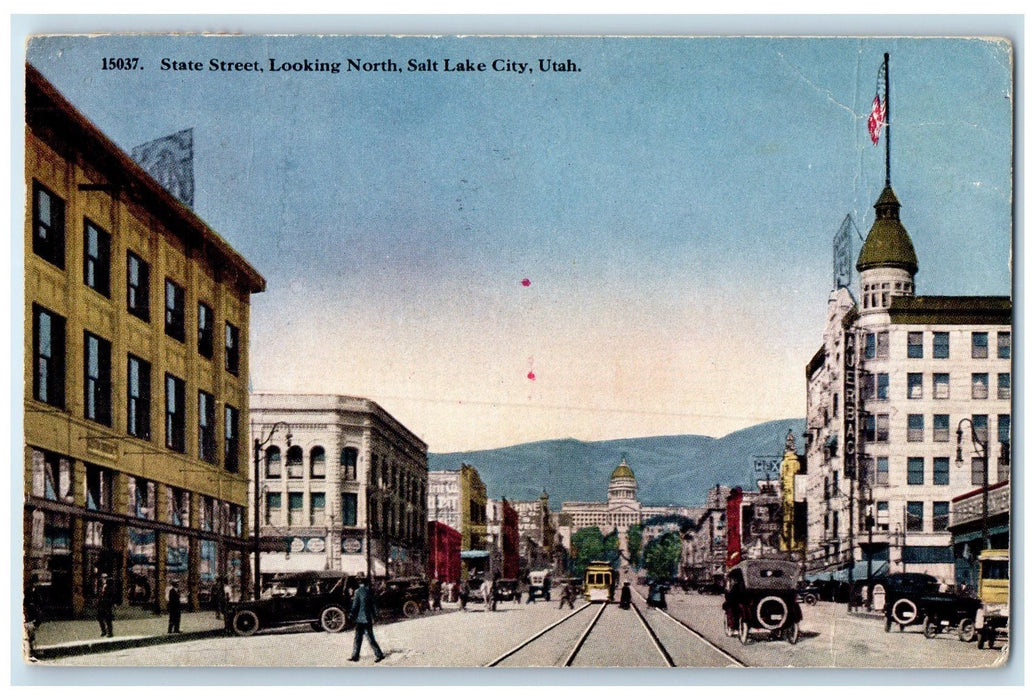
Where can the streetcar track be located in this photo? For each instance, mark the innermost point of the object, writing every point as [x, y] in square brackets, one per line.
[697, 634]
[654, 637]
[506, 655]
[585, 634]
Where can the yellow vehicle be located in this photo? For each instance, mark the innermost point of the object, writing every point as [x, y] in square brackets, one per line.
[994, 592]
[600, 582]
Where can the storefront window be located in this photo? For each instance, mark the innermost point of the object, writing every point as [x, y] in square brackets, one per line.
[178, 505]
[98, 488]
[142, 498]
[208, 565]
[142, 578]
[51, 476]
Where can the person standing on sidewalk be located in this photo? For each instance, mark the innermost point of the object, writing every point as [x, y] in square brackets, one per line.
[174, 608]
[364, 610]
[106, 606]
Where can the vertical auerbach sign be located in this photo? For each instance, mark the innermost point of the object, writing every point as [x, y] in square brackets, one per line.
[851, 419]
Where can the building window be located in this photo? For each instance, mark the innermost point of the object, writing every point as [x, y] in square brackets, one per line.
[48, 225]
[978, 345]
[349, 509]
[869, 428]
[915, 471]
[273, 506]
[915, 385]
[979, 385]
[317, 504]
[882, 386]
[915, 345]
[208, 513]
[273, 470]
[1003, 345]
[941, 345]
[205, 330]
[231, 461]
[96, 258]
[1003, 427]
[1004, 386]
[941, 427]
[175, 414]
[941, 386]
[317, 463]
[295, 509]
[178, 505]
[175, 300]
[142, 498]
[138, 398]
[882, 516]
[48, 348]
[232, 356]
[915, 516]
[97, 378]
[940, 516]
[870, 346]
[52, 477]
[941, 471]
[206, 427]
[915, 429]
[98, 488]
[138, 286]
[349, 457]
[294, 462]
[882, 428]
[882, 345]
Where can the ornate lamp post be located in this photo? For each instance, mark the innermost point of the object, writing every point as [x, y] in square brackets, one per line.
[982, 446]
[258, 444]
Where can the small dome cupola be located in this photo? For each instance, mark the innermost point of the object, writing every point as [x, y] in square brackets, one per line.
[888, 243]
[623, 483]
[887, 261]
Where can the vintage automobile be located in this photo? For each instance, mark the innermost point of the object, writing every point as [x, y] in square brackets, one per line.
[507, 589]
[762, 594]
[320, 598]
[950, 610]
[808, 593]
[539, 584]
[904, 595]
[407, 596]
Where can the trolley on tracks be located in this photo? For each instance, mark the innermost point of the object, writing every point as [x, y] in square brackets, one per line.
[600, 582]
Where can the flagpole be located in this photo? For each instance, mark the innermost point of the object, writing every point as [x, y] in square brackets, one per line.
[887, 126]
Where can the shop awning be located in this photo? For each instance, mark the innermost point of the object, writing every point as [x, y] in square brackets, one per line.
[474, 554]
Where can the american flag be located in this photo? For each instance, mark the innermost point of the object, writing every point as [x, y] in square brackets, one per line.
[879, 111]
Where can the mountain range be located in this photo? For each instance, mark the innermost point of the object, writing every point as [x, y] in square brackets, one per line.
[670, 470]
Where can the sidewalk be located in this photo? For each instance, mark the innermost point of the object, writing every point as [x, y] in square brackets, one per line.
[132, 628]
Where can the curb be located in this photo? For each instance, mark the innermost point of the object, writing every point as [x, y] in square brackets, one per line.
[55, 651]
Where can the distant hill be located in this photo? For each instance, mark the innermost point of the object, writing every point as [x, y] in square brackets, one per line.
[676, 469]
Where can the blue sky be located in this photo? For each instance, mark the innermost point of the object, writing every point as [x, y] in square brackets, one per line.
[672, 206]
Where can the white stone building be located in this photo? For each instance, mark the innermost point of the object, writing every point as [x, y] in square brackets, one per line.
[343, 486]
[897, 379]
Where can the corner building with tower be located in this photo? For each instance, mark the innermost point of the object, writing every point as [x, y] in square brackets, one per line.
[908, 407]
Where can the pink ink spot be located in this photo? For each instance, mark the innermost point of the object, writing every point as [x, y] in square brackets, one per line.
[531, 375]
[526, 282]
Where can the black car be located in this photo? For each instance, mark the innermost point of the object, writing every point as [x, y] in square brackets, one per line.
[320, 598]
[912, 599]
[407, 596]
[507, 589]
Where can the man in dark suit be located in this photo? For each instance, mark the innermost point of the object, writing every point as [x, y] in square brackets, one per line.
[364, 610]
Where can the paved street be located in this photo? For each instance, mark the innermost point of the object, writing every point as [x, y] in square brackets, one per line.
[830, 638]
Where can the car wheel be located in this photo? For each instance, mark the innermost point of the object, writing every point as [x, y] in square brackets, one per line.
[904, 611]
[332, 619]
[743, 632]
[245, 623]
[810, 598]
[931, 628]
[792, 633]
[966, 630]
[411, 608]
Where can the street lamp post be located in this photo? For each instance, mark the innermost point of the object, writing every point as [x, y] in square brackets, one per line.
[983, 455]
[258, 444]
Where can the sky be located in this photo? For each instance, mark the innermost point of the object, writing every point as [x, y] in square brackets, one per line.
[640, 247]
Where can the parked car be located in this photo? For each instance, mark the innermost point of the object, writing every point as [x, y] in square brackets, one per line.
[913, 599]
[808, 593]
[406, 596]
[762, 594]
[507, 589]
[321, 598]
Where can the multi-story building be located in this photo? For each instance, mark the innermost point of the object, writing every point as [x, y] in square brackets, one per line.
[501, 524]
[342, 485]
[136, 364]
[900, 382]
[537, 533]
[457, 498]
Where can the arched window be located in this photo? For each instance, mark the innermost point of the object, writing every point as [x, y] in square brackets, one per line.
[294, 462]
[273, 462]
[317, 463]
[349, 458]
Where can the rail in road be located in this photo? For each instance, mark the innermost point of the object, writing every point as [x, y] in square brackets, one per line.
[557, 643]
[704, 640]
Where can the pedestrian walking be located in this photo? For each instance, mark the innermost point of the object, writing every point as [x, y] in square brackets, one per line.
[626, 597]
[106, 606]
[219, 596]
[173, 599]
[465, 593]
[364, 610]
[32, 609]
[486, 591]
[436, 594]
[567, 596]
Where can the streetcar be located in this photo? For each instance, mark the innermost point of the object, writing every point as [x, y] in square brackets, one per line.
[600, 582]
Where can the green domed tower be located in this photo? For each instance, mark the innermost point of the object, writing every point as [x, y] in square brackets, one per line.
[887, 261]
[623, 484]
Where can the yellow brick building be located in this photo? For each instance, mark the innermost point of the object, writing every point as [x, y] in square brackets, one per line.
[136, 326]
